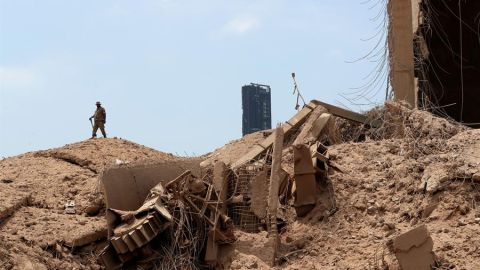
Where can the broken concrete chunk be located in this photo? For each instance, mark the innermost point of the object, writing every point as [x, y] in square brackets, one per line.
[305, 135]
[287, 127]
[319, 125]
[427, 211]
[433, 178]
[414, 249]
[70, 208]
[25, 263]
[84, 238]
[353, 116]
[305, 184]
[259, 194]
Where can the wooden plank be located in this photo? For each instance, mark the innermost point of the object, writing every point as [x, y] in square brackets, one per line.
[353, 116]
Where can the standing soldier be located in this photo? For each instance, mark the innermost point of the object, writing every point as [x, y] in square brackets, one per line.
[100, 117]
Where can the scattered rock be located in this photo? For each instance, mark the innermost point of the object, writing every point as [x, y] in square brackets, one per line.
[414, 249]
[433, 178]
[427, 211]
[360, 205]
[92, 210]
[300, 243]
[464, 209]
[252, 265]
[413, 221]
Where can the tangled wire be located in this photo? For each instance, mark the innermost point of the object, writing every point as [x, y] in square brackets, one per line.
[422, 132]
[182, 243]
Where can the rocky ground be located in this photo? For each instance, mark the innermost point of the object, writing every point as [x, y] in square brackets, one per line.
[35, 230]
[421, 170]
[426, 172]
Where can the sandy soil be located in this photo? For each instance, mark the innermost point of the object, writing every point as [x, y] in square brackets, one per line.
[381, 193]
[35, 230]
[396, 178]
[231, 151]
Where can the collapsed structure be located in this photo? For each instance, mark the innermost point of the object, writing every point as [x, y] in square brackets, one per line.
[434, 56]
[146, 214]
[345, 191]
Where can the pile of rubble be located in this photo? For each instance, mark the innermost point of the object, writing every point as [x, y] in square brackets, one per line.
[328, 189]
[248, 192]
[52, 206]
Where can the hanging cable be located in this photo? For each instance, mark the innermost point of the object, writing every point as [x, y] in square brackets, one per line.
[461, 57]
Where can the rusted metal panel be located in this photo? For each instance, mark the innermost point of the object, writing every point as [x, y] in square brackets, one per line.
[302, 160]
[305, 185]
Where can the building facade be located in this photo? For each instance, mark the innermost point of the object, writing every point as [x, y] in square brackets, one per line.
[434, 49]
[256, 106]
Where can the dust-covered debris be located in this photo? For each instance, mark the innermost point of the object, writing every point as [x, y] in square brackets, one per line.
[37, 186]
[413, 249]
[409, 169]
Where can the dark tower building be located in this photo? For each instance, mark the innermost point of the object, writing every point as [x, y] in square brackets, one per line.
[256, 105]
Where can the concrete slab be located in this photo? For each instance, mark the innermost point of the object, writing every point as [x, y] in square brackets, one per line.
[414, 249]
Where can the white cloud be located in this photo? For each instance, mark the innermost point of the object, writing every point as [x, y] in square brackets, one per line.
[242, 24]
[14, 78]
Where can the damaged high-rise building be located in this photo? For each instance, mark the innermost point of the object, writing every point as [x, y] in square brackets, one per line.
[434, 50]
[256, 106]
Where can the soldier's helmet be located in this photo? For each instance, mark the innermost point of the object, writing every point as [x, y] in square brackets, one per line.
[98, 103]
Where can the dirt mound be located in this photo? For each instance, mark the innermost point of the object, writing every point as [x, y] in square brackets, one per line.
[36, 186]
[412, 169]
[382, 192]
[98, 153]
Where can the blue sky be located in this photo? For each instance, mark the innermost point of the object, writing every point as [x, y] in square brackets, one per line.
[169, 72]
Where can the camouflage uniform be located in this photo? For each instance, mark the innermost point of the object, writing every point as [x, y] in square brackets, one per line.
[100, 117]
